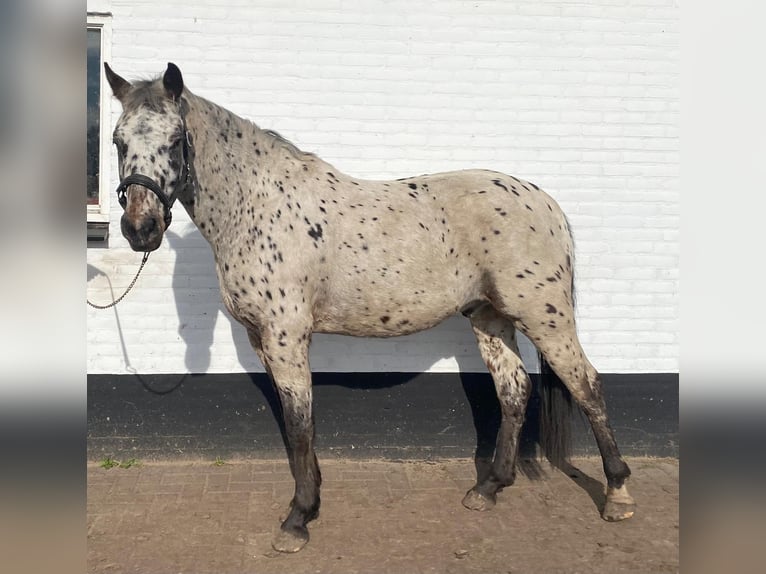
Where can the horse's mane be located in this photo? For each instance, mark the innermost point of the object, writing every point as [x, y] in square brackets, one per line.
[287, 144]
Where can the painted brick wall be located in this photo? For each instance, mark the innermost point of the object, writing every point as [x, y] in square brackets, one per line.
[581, 99]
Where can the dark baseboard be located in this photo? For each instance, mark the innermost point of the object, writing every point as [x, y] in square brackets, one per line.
[362, 415]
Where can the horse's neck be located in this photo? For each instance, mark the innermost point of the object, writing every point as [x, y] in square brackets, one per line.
[233, 161]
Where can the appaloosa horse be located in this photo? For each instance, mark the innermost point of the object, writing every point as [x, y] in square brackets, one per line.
[302, 248]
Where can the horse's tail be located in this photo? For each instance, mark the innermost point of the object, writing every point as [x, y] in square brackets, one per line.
[556, 409]
[556, 405]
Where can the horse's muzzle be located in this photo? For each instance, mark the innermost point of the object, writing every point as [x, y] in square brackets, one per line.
[143, 236]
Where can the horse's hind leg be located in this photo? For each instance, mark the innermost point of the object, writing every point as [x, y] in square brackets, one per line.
[563, 352]
[497, 343]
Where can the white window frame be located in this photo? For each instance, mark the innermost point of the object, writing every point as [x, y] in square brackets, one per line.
[99, 213]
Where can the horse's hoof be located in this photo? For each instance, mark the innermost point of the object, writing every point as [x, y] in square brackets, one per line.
[619, 505]
[290, 542]
[474, 500]
[616, 511]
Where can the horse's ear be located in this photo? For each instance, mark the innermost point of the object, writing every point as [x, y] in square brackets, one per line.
[120, 86]
[173, 81]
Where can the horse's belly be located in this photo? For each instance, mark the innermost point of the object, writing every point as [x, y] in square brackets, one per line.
[385, 312]
[367, 325]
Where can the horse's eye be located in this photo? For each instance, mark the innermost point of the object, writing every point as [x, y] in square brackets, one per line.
[122, 147]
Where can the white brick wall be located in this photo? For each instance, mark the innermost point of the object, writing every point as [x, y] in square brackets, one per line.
[581, 99]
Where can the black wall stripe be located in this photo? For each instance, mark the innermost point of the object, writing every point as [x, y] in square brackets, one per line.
[392, 415]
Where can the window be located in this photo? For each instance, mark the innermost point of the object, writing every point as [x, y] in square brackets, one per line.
[98, 107]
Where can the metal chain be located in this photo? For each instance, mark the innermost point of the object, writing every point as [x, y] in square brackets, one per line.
[121, 297]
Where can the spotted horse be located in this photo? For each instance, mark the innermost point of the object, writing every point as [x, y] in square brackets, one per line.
[302, 248]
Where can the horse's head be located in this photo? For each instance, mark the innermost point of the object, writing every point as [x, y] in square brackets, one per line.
[152, 149]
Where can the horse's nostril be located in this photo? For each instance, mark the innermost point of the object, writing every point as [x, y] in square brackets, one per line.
[149, 226]
[128, 229]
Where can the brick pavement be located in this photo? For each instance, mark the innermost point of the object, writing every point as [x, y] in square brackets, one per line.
[377, 516]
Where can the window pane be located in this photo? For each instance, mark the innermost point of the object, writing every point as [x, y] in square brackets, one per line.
[94, 111]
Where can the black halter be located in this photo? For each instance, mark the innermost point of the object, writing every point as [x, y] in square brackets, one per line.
[154, 187]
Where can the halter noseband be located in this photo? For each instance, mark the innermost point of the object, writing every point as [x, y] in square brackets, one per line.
[154, 187]
[151, 185]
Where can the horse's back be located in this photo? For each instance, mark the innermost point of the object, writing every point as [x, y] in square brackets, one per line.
[496, 220]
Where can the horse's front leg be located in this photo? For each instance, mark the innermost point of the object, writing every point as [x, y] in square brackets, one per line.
[288, 364]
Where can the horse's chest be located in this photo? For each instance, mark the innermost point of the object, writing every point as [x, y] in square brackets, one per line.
[258, 290]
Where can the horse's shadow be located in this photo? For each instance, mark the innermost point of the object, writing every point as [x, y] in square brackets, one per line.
[594, 488]
[199, 308]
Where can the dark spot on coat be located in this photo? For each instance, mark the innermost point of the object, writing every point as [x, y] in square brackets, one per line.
[499, 184]
[315, 232]
[550, 308]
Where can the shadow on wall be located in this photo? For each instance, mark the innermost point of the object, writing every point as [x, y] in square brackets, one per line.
[199, 308]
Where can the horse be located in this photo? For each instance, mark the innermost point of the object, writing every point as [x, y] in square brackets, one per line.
[302, 248]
